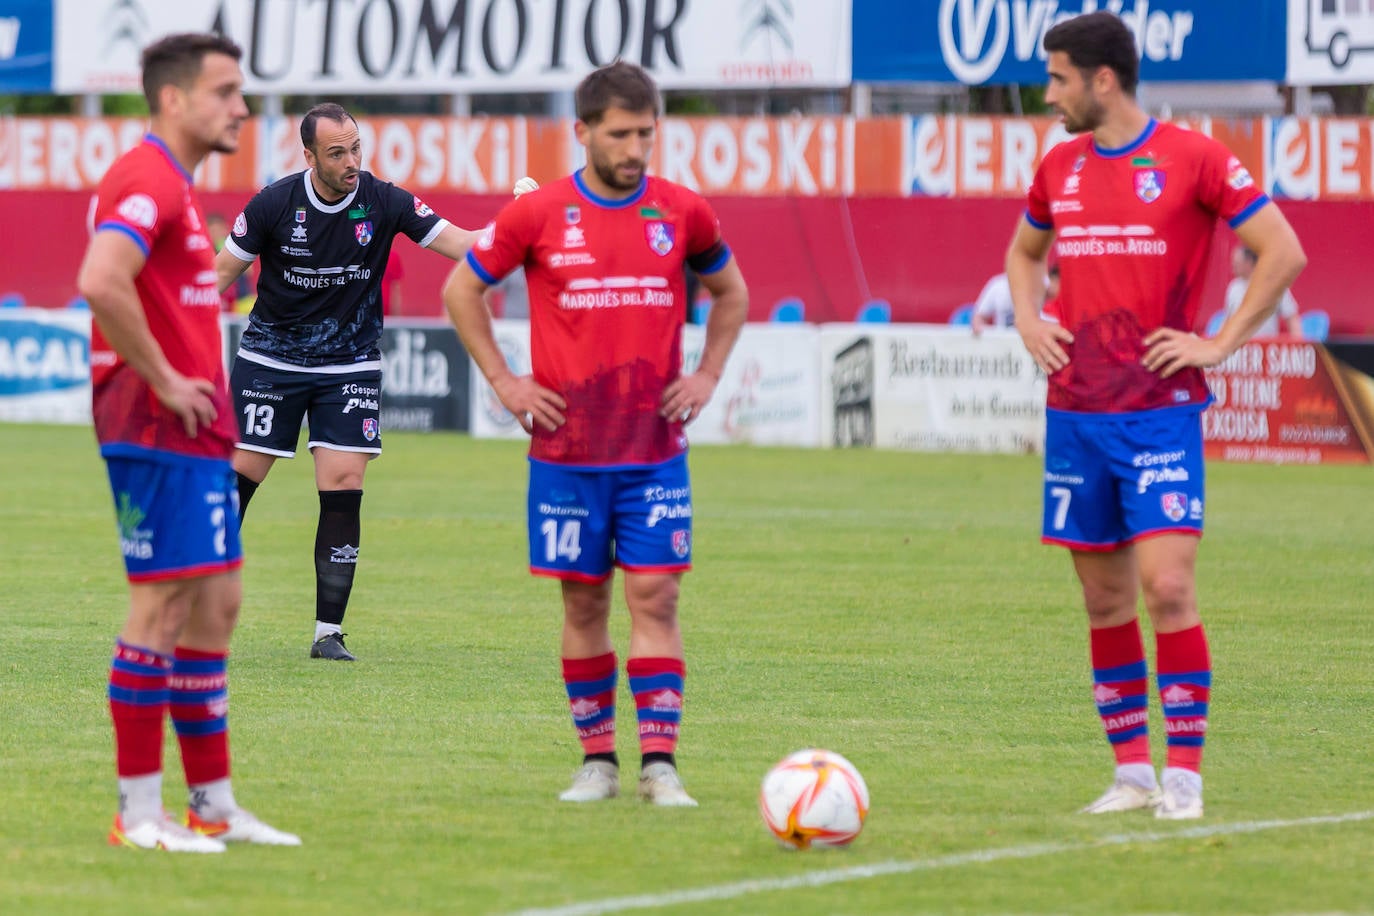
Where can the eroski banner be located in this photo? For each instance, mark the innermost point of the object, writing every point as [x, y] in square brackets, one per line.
[447, 46]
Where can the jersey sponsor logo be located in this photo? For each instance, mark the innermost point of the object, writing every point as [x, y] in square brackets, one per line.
[1106, 696]
[240, 226]
[370, 428]
[198, 242]
[1175, 696]
[658, 512]
[200, 296]
[571, 259]
[682, 542]
[1174, 505]
[1149, 184]
[659, 236]
[360, 404]
[488, 237]
[298, 233]
[1147, 459]
[1151, 476]
[347, 554]
[363, 232]
[1237, 175]
[136, 542]
[421, 208]
[139, 210]
[573, 237]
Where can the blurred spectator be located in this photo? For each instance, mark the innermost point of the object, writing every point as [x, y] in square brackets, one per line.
[1243, 265]
[240, 289]
[994, 309]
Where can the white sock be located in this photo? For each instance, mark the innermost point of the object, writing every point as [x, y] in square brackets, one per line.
[140, 798]
[212, 801]
[324, 629]
[1137, 774]
[1189, 778]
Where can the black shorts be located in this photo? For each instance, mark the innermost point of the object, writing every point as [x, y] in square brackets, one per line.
[341, 401]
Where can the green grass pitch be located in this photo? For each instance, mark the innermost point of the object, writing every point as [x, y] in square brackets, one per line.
[895, 607]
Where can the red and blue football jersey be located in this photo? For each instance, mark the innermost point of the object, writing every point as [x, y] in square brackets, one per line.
[607, 298]
[147, 195]
[1133, 230]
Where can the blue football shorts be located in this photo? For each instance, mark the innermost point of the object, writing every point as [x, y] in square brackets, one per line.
[272, 403]
[1111, 479]
[584, 521]
[176, 518]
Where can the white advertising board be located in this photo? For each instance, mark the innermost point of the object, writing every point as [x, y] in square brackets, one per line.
[929, 388]
[475, 46]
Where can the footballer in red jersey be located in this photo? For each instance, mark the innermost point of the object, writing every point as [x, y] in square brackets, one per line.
[165, 426]
[1129, 208]
[147, 196]
[606, 403]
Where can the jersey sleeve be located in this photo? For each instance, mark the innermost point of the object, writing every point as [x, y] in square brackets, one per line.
[706, 250]
[1038, 200]
[416, 219]
[1225, 186]
[251, 228]
[141, 209]
[502, 245]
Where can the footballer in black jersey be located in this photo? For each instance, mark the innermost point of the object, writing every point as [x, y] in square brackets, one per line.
[311, 347]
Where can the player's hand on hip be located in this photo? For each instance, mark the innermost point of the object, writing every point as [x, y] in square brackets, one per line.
[1044, 341]
[1168, 350]
[191, 399]
[684, 399]
[531, 402]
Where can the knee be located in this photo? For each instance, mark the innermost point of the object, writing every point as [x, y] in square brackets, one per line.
[586, 611]
[1170, 595]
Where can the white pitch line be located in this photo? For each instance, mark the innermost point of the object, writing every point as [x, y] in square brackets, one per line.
[880, 869]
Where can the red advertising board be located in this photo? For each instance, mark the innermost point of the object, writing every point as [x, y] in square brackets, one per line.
[1289, 402]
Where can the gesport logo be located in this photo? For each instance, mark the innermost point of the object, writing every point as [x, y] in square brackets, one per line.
[976, 35]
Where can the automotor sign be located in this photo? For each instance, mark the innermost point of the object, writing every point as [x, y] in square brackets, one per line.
[1001, 41]
[488, 46]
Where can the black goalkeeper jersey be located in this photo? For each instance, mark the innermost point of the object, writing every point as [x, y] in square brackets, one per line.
[320, 273]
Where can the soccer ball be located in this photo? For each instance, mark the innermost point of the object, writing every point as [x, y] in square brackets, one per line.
[814, 798]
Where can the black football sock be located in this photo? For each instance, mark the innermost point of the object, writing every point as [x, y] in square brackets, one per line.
[336, 552]
[657, 757]
[246, 490]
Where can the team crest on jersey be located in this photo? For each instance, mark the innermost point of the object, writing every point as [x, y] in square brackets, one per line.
[1149, 184]
[363, 231]
[572, 214]
[1174, 504]
[659, 236]
[682, 542]
[370, 428]
[300, 214]
[421, 208]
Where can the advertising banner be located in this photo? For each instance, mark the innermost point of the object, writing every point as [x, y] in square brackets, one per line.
[424, 377]
[26, 46]
[45, 366]
[473, 46]
[1289, 403]
[1330, 43]
[931, 389]
[1001, 41]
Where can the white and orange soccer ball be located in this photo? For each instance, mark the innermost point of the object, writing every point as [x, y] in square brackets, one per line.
[814, 798]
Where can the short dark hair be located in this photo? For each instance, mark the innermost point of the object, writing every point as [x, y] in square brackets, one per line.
[616, 85]
[176, 60]
[1095, 40]
[330, 111]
